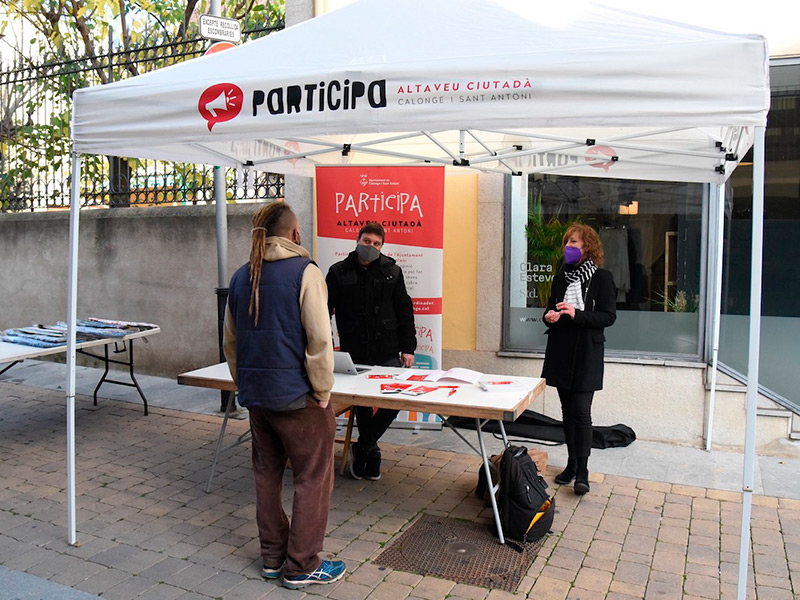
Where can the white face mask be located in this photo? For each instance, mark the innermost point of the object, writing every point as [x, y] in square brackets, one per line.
[367, 253]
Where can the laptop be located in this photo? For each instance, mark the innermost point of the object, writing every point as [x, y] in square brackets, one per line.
[342, 363]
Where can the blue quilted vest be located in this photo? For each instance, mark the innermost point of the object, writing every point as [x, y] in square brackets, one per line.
[270, 356]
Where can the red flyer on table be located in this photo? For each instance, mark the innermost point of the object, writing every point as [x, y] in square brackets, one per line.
[380, 376]
[419, 390]
[501, 385]
[416, 378]
[394, 388]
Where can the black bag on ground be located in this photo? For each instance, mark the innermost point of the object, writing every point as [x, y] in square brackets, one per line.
[526, 509]
[535, 426]
[612, 436]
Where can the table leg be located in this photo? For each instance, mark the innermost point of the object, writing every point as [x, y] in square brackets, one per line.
[219, 442]
[458, 433]
[488, 472]
[506, 443]
[346, 443]
[127, 346]
[105, 373]
[133, 377]
[7, 367]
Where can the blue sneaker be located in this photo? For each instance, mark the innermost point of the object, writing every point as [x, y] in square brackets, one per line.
[328, 572]
[270, 573]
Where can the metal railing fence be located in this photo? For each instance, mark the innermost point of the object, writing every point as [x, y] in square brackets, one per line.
[35, 111]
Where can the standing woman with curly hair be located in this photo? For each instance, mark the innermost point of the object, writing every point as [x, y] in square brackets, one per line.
[582, 303]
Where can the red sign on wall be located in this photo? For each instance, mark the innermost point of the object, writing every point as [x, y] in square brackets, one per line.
[407, 201]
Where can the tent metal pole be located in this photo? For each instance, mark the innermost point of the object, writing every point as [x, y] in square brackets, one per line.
[364, 144]
[703, 170]
[221, 292]
[221, 212]
[221, 221]
[444, 148]
[719, 232]
[72, 318]
[617, 144]
[752, 359]
[328, 150]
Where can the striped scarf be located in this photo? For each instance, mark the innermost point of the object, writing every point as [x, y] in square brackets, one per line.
[575, 280]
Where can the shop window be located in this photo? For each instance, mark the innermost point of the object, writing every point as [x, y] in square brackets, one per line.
[652, 237]
[780, 306]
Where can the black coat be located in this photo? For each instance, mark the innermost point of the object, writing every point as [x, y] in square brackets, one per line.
[575, 347]
[374, 313]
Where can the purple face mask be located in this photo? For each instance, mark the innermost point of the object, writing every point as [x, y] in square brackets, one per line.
[572, 255]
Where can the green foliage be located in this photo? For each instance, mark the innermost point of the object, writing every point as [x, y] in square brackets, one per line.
[680, 302]
[35, 115]
[544, 243]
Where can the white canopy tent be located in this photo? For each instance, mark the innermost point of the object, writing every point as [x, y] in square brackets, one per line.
[507, 86]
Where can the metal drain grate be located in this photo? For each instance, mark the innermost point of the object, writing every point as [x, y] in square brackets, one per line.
[460, 551]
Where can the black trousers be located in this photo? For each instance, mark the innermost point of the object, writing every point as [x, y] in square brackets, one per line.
[576, 415]
[372, 424]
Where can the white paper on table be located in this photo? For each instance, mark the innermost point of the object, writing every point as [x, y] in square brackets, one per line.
[456, 373]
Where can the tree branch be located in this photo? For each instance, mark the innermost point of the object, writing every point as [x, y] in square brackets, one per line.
[130, 65]
[83, 31]
[187, 16]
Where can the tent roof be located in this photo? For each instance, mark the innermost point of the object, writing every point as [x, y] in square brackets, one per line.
[494, 84]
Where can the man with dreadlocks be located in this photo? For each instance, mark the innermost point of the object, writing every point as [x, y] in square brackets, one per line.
[278, 345]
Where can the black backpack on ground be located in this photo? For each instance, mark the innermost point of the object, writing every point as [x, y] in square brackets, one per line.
[526, 509]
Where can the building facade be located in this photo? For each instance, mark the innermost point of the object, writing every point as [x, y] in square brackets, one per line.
[658, 239]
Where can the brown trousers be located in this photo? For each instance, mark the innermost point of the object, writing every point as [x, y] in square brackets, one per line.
[304, 437]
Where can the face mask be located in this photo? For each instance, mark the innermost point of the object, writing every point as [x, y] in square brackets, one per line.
[572, 255]
[367, 253]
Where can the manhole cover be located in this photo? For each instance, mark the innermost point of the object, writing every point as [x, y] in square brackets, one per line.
[461, 548]
[460, 551]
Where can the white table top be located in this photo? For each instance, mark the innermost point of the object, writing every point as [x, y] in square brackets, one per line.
[15, 352]
[469, 400]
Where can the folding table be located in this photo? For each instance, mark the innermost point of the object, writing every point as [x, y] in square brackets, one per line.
[468, 400]
[16, 353]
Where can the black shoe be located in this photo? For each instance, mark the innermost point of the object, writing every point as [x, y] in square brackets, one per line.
[581, 487]
[358, 462]
[581, 476]
[568, 474]
[372, 469]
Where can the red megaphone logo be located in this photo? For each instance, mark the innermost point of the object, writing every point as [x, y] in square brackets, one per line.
[220, 102]
[601, 157]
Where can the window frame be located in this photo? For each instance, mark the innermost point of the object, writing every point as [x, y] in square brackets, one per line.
[706, 285]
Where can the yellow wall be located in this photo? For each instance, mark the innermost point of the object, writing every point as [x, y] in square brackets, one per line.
[460, 262]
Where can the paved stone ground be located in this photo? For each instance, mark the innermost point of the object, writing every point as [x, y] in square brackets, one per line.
[147, 529]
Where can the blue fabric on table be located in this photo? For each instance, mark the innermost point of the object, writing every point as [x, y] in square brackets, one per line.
[29, 341]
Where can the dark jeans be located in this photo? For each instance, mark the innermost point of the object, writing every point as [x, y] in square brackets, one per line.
[305, 437]
[576, 415]
[373, 424]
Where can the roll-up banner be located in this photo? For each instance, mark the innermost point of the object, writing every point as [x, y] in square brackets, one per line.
[409, 203]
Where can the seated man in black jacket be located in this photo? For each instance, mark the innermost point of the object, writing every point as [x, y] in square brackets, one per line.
[375, 320]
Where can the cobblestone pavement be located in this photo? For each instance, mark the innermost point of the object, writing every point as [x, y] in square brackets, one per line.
[147, 529]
